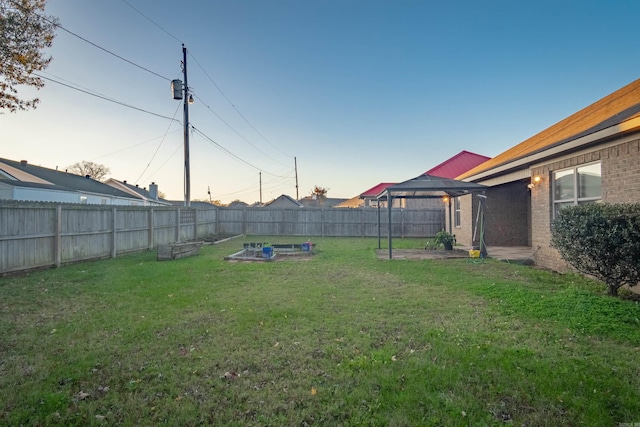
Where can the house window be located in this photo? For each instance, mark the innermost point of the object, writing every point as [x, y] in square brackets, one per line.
[577, 186]
[456, 211]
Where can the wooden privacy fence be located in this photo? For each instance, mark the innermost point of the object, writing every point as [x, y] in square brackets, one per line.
[44, 234]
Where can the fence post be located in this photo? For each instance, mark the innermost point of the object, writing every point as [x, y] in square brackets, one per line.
[216, 223]
[178, 225]
[114, 234]
[322, 222]
[195, 224]
[151, 230]
[245, 226]
[58, 236]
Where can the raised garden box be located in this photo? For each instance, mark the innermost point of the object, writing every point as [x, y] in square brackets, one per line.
[178, 250]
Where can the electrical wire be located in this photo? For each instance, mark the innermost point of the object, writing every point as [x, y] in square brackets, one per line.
[58, 25]
[266, 186]
[159, 145]
[168, 158]
[218, 88]
[230, 153]
[236, 132]
[106, 98]
[153, 22]
[134, 146]
[234, 107]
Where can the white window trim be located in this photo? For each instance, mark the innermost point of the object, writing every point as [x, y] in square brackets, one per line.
[576, 190]
[457, 221]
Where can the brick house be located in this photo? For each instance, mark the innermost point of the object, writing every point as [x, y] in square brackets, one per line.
[591, 156]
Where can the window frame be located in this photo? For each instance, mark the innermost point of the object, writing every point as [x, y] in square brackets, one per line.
[556, 204]
[456, 212]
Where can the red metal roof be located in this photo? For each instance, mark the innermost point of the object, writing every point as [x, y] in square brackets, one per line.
[457, 165]
[374, 191]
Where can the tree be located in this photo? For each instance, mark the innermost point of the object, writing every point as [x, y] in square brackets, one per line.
[211, 202]
[319, 192]
[24, 33]
[602, 240]
[94, 170]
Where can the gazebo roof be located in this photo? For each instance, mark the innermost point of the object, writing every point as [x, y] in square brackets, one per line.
[429, 186]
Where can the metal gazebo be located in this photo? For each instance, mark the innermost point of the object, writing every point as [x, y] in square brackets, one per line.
[423, 187]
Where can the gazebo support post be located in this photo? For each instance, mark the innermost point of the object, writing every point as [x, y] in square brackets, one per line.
[379, 245]
[390, 231]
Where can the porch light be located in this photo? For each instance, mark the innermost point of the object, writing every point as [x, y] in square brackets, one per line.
[445, 199]
[536, 180]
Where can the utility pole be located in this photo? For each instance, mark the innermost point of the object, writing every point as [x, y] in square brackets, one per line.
[295, 166]
[260, 177]
[187, 167]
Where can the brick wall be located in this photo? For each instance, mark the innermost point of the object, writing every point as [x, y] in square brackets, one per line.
[620, 184]
[507, 212]
[468, 208]
[506, 216]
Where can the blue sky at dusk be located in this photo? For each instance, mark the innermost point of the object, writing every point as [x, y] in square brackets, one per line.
[360, 92]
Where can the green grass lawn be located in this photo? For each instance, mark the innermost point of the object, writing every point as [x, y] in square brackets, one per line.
[339, 339]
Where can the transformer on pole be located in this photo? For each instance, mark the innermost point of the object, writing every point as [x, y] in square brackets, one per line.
[181, 92]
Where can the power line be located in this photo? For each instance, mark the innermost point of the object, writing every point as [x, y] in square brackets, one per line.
[57, 25]
[153, 22]
[135, 145]
[251, 189]
[230, 153]
[159, 145]
[106, 98]
[219, 89]
[235, 108]
[168, 158]
[236, 132]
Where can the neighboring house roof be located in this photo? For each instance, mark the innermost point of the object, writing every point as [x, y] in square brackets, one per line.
[354, 202]
[457, 165]
[283, 201]
[612, 110]
[450, 168]
[374, 191]
[199, 205]
[237, 204]
[50, 178]
[427, 186]
[136, 191]
[328, 202]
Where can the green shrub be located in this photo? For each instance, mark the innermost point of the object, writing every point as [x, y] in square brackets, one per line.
[445, 239]
[602, 240]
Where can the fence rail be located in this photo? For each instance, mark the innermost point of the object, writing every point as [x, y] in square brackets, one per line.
[36, 235]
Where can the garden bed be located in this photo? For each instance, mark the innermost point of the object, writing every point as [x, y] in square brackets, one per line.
[261, 251]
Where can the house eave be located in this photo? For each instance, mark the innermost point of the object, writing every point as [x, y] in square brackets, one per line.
[617, 131]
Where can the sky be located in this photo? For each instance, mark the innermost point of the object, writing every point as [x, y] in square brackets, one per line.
[352, 92]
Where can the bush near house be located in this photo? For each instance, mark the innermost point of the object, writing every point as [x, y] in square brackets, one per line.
[602, 240]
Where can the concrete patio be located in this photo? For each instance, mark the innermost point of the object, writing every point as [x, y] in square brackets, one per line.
[513, 254]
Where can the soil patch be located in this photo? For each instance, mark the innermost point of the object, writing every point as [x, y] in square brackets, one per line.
[421, 254]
